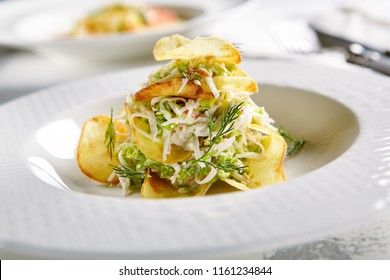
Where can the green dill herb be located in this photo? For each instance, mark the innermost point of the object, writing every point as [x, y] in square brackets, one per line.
[127, 172]
[293, 146]
[227, 121]
[110, 135]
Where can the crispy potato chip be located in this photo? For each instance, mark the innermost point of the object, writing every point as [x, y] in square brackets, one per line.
[236, 83]
[211, 47]
[239, 72]
[175, 87]
[168, 44]
[155, 187]
[172, 88]
[92, 156]
[221, 187]
[154, 150]
[237, 185]
[268, 168]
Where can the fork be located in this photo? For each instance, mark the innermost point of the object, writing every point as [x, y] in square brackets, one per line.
[293, 36]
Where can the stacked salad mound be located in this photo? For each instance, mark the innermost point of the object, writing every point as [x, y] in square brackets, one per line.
[192, 125]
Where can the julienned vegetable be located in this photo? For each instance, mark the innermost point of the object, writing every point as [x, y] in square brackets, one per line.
[193, 124]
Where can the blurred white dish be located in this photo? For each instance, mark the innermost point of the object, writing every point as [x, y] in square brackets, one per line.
[39, 26]
[366, 23]
[342, 177]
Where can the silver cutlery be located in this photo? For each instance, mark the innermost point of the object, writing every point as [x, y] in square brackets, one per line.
[298, 37]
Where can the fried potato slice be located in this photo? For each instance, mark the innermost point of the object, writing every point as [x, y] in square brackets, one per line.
[172, 88]
[92, 156]
[155, 187]
[154, 150]
[221, 187]
[210, 47]
[168, 44]
[268, 168]
[235, 83]
[237, 185]
[175, 87]
[239, 72]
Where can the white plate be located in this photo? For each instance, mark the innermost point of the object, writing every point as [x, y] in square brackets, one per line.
[342, 177]
[36, 25]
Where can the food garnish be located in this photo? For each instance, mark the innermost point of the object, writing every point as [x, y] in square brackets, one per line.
[191, 125]
[293, 145]
[110, 135]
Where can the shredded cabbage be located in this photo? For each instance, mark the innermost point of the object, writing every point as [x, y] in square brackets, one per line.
[186, 123]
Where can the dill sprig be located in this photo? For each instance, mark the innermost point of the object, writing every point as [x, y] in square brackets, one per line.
[127, 172]
[227, 122]
[110, 135]
[293, 145]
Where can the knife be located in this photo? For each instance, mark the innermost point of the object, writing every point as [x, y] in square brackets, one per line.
[357, 53]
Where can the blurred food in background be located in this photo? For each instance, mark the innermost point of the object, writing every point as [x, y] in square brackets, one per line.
[118, 18]
[108, 30]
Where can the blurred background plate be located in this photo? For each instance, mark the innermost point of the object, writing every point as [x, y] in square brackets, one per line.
[39, 26]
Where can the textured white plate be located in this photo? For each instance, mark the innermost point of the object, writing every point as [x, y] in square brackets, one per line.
[38, 25]
[342, 177]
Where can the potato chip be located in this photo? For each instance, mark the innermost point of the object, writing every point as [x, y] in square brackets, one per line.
[237, 185]
[235, 83]
[92, 156]
[221, 187]
[239, 72]
[268, 168]
[172, 88]
[155, 187]
[154, 150]
[209, 48]
[168, 44]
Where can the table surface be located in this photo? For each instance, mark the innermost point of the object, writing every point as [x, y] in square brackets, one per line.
[23, 72]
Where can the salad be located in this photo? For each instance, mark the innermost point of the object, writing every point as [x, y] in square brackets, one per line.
[119, 18]
[193, 124]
